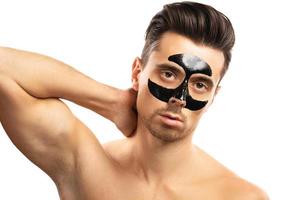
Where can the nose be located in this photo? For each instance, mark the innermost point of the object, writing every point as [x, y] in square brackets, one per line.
[177, 102]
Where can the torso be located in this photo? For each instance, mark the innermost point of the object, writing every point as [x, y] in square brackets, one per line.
[115, 181]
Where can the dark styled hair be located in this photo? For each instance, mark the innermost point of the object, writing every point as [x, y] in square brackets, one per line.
[201, 23]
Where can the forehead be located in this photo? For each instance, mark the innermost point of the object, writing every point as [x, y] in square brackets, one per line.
[172, 43]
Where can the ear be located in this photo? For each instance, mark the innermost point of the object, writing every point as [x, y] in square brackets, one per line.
[135, 73]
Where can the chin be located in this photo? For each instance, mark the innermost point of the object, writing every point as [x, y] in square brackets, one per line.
[167, 134]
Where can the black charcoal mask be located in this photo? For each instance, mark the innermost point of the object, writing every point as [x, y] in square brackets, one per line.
[191, 65]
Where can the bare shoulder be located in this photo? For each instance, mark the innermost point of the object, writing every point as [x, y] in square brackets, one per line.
[116, 149]
[119, 152]
[226, 183]
[112, 146]
[236, 188]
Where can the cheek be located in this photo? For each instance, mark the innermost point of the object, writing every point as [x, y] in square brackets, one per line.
[193, 118]
[146, 102]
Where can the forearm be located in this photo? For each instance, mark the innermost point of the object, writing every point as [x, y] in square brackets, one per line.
[45, 77]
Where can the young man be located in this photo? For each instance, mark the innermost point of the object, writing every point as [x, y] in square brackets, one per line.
[186, 54]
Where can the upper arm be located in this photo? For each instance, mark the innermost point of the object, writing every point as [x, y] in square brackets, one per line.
[44, 130]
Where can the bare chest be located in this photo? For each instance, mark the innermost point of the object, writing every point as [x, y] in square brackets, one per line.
[129, 189]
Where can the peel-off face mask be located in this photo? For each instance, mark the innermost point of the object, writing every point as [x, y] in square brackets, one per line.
[193, 66]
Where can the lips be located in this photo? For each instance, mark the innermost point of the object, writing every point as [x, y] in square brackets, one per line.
[171, 120]
[172, 116]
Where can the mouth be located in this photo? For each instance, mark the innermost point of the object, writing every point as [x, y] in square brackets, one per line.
[172, 116]
[171, 120]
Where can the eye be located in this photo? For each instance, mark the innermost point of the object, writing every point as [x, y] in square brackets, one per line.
[200, 86]
[168, 75]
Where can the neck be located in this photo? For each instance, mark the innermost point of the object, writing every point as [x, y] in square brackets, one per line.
[156, 160]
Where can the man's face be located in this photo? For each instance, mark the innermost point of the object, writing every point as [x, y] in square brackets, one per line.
[176, 86]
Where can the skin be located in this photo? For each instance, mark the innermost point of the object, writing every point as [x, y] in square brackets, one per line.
[157, 161]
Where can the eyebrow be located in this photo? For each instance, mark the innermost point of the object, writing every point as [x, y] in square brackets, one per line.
[170, 66]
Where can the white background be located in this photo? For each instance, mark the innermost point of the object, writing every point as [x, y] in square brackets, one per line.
[252, 127]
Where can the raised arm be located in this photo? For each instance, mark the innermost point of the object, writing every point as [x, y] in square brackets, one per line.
[44, 77]
[41, 125]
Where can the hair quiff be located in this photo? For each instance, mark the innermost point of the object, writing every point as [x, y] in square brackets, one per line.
[199, 22]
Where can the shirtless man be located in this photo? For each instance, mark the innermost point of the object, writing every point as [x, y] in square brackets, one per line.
[186, 53]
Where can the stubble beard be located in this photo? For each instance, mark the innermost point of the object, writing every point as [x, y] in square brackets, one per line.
[164, 132]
